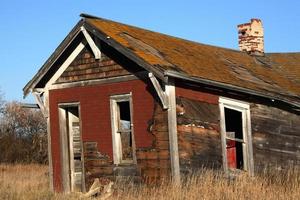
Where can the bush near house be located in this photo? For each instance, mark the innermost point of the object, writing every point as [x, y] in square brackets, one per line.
[23, 137]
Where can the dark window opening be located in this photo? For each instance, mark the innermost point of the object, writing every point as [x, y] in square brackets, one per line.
[125, 129]
[124, 110]
[234, 138]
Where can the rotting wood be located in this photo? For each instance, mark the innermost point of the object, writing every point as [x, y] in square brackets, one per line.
[101, 191]
[96, 164]
[198, 135]
[275, 132]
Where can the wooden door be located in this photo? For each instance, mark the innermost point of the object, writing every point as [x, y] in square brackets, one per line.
[75, 145]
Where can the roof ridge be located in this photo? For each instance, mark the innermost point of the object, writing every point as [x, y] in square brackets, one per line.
[85, 15]
[176, 37]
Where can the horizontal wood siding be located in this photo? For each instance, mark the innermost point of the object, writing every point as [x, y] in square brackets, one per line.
[154, 162]
[97, 165]
[198, 135]
[85, 67]
[276, 137]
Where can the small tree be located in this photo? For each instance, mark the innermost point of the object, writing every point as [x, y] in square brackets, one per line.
[22, 134]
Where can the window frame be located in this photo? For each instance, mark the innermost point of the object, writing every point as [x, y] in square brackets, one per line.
[117, 149]
[244, 108]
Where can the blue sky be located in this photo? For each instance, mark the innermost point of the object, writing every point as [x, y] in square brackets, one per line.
[32, 29]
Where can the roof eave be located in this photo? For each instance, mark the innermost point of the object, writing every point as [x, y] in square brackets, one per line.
[183, 76]
[53, 58]
[98, 33]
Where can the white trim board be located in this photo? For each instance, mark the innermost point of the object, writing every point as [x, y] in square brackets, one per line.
[94, 47]
[66, 64]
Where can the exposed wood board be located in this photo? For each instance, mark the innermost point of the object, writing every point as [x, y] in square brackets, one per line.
[294, 153]
[132, 129]
[46, 104]
[40, 102]
[162, 95]
[250, 143]
[83, 189]
[64, 154]
[66, 64]
[93, 82]
[223, 133]
[116, 156]
[246, 155]
[70, 119]
[39, 90]
[95, 49]
[30, 105]
[172, 128]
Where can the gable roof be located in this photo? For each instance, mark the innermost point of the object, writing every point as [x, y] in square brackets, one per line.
[275, 75]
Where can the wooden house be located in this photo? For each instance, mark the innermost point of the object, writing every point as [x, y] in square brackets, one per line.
[124, 101]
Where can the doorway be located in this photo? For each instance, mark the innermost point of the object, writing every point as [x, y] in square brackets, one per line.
[71, 148]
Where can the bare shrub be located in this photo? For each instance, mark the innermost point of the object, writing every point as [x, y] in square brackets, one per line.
[22, 134]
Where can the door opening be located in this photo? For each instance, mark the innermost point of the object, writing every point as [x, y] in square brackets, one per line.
[71, 147]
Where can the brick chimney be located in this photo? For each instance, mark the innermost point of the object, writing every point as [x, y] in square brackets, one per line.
[251, 37]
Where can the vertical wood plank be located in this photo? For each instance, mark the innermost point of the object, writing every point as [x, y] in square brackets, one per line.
[172, 128]
[132, 129]
[64, 151]
[250, 144]
[46, 104]
[223, 134]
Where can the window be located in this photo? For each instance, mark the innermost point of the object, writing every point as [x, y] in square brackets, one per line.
[122, 129]
[236, 135]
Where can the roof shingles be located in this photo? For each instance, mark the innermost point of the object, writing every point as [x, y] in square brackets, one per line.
[275, 74]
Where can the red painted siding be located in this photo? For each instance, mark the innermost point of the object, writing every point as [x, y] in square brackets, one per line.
[95, 116]
[197, 95]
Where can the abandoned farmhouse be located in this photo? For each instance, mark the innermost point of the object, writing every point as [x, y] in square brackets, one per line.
[124, 101]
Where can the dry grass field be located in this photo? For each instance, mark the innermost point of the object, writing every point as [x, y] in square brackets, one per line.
[30, 182]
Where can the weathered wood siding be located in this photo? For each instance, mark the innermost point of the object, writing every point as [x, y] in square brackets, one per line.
[96, 164]
[276, 137]
[198, 135]
[85, 67]
[154, 162]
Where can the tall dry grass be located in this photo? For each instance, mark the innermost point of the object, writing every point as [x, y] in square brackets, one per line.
[27, 182]
[209, 184]
[31, 182]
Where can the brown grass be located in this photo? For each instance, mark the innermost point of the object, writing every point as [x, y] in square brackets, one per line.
[30, 182]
